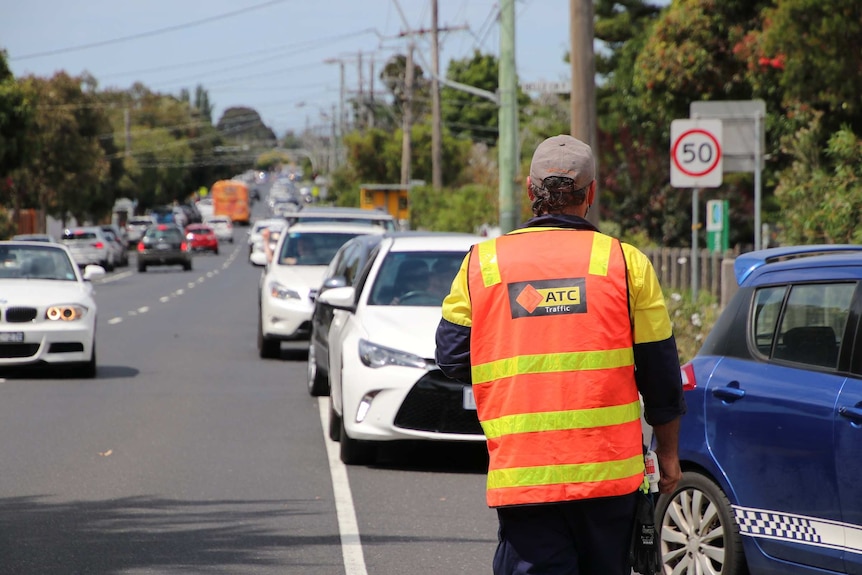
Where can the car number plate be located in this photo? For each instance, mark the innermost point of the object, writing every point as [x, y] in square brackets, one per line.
[162, 246]
[467, 399]
[11, 336]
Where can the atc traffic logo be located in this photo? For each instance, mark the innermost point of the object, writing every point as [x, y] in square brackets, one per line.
[547, 297]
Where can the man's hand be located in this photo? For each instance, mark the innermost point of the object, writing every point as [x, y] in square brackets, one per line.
[667, 447]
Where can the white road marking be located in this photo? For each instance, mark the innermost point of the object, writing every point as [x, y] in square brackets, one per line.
[143, 309]
[115, 320]
[351, 546]
[165, 298]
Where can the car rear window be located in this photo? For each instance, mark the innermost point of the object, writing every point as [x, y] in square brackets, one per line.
[164, 234]
[78, 235]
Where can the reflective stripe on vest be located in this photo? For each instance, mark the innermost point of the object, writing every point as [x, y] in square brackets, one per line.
[553, 366]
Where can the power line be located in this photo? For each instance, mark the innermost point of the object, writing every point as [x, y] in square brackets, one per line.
[149, 33]
[297, 46]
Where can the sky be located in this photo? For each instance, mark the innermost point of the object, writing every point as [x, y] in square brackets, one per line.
[280, 57]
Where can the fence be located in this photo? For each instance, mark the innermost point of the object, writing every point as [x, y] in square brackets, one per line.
[674, 269]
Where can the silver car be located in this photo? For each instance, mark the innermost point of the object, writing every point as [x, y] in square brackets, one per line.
[90, 245]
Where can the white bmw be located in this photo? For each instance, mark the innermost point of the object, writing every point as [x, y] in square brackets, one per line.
[384, 382]
[47, 311]
[291, 281]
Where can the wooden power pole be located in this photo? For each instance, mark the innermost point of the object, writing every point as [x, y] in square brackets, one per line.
[583, 96]
[407, 119]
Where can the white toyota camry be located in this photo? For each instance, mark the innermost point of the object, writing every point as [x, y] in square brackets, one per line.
[384, 382]
[47, 311]
[291, 280]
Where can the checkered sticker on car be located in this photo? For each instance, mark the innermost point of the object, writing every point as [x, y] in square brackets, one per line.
[765, 524]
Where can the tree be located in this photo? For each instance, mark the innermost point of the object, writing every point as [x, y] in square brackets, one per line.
[67, 169]
[469, 115]
[16, 120]
[244, 126]
[394, 77]
[820, 195]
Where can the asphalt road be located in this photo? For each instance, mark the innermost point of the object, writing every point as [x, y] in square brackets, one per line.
[190, 454]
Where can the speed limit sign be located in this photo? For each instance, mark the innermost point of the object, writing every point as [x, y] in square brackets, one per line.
[695, 154]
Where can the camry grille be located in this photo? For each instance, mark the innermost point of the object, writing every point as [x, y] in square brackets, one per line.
[436, 404]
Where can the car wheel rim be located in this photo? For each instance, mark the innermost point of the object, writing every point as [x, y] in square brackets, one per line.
[693, 536]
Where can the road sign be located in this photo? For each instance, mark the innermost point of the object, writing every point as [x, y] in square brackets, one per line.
[743, 133]
[717, 225]
[695, 154]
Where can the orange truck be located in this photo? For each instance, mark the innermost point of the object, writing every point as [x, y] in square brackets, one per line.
[230, 198]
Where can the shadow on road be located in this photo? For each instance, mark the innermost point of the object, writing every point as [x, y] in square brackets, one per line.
[150, 534]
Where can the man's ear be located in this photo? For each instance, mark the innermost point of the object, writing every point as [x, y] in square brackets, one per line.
[530, 190]
[591, 193]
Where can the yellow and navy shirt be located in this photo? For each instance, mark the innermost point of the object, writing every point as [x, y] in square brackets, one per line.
[656, 359]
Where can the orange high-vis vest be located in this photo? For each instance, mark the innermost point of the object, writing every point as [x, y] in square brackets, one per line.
[553, 366]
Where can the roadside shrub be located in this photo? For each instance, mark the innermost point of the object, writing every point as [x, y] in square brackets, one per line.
[692, 320]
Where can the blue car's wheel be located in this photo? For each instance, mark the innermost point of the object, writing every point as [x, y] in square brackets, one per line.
[698, 532]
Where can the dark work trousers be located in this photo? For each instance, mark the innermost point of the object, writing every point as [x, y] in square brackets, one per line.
[586, 537]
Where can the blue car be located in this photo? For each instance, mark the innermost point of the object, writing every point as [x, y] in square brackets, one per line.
[771, 446]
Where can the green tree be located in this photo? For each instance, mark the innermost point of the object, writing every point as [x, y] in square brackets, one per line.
[469, 115]
[820, 194]
[67, 171]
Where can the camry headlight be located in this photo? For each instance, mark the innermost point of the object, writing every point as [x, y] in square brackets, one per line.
[70, 312]
[279, 291]
[374, 356]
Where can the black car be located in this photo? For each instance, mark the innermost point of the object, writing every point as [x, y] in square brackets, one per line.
[343, 270]
[164, 245]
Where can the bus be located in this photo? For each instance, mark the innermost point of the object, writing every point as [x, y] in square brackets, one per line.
[230, 198]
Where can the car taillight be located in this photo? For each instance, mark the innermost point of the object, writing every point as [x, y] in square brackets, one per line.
[140, 246]
[184, 246]
[689, 382]
[98, 245]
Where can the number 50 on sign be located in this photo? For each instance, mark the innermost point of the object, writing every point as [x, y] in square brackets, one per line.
[695, 154]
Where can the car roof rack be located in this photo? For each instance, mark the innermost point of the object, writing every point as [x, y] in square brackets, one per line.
[746, 263]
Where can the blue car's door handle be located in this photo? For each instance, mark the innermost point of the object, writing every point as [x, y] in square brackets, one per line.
[728, 393]
[852, 413]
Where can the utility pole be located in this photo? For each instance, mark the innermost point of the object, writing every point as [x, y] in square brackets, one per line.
[407, 119]
[127, 124]
[341, 92]
[371, 94]
[360, 104]
[583, 96]
[507, 144]
[436, 136]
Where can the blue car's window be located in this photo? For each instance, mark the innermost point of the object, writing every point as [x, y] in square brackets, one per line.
[767, 306]
[813, 322]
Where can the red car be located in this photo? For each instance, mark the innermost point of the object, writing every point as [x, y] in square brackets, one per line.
[201, 237]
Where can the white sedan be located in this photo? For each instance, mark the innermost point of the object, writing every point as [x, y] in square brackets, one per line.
[47, 311]
[384, 382]
[291, 281]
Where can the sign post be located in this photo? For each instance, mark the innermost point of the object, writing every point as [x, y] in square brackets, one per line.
[695, 162]
[744, 141]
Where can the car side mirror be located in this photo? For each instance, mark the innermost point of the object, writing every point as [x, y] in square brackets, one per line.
[339, 298]
[335, 282]
[93, 271]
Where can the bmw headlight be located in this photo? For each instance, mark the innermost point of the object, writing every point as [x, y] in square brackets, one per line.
[69, 312]
[374, 356]
[279, 291]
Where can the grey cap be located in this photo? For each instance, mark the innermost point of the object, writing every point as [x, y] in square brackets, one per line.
[566, 157]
